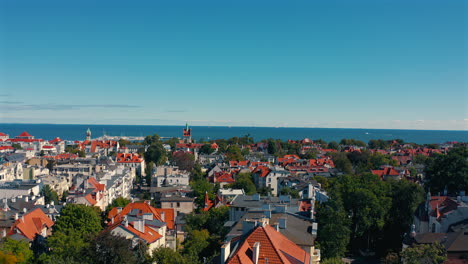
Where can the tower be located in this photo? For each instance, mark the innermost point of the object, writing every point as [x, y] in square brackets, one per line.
[88, 134]
[187, 134]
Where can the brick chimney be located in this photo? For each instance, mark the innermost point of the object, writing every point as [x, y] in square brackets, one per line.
[256, 252]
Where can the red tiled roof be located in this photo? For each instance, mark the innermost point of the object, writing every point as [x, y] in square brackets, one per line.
[273, 246]
[55, 140]
[208, 203]
[128, 158]
[98, 186]
[387, 171]
[149, 235]
[262, 171]
[24, 134]
[6, 147]
[33, 224]
[3, 134]
[47, 147]
[143, 209]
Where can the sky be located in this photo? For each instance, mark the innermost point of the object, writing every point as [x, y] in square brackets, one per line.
[349, 64]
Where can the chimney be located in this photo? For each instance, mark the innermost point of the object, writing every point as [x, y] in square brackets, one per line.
[16, 216]
[148, 216]
[256, 197]
[314, 229]
[281, 208]
[310, 191]
[119, 209]
[125, 221]
[256, 252]
[282, 223]
[248, 225]
[225, 252]
[267, 213]
[163, 216]
[13, 200]
[26, 198]
[139, 225]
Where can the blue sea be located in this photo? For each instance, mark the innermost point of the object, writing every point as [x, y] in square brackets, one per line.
[78, 132]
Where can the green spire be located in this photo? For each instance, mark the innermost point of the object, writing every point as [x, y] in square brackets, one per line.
[186, 126]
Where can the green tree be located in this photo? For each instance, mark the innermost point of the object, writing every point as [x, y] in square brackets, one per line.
[108, 248]
[334, 145]
[80, 218]
[244, 181]
[49, 194]
[124, 142]
[172, 142]
[207, 149]
[168, 256]
[288, 191]
[332, 261]
[117, 202]
[13, 249]
[425, 253]
[16, 146]
[342, 162]
[233, 152]
[405, 198]
[449, 171]
[152, 140]
[156, 153]
[334, 232]
[197, 241]
[200, 187]
[376, 160]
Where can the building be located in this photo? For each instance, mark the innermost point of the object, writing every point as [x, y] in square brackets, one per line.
[264, 244]
[142, 222]
[30, 224]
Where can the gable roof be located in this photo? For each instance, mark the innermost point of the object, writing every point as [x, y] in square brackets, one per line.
[144, 208]
[24, 134]
[273, 246]
[32, 224]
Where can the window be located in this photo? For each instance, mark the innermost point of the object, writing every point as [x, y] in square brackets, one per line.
[178, 204]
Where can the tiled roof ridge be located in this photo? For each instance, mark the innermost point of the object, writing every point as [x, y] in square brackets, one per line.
[273, 242]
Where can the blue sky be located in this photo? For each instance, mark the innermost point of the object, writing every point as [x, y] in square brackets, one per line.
[369, 64]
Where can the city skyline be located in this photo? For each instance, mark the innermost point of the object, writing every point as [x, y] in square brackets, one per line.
[391, 64]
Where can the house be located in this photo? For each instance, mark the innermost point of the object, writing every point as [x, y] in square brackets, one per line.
[169, 176]
[19, 188]
[30, 224]
[142, 222]
[88, 191]
[228, 195]
[223, 178]
[4, 136]
[264, 244]
[244, 203]
[438, 213]
[131, 160]
[387, 172]
[268, 177]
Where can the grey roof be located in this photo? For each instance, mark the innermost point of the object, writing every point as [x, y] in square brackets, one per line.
[176, 199]
[247, 201]
[298, 229]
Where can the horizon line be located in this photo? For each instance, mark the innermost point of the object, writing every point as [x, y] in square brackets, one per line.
[253, 126]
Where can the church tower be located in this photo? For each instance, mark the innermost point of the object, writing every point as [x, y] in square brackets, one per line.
[187, 134]
[88, 134]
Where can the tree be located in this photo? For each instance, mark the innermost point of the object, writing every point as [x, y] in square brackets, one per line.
[168, 256]
[80, 218]
[157, 154]
[272, 146]
[425, 253]
[342, 162]
[311, 154]
[332, 261]
[288, 191]
[13, 250]
[449, 171]
[233, 152]
[16, 146]
[333, 234]
[152, 140]
[124, 142]
[197, 241]
[117, 202]
[244, 181]
[51, 164]
[108, 248]
[200, 187]
[405, 198]
[206, 149]
[185, 161]
[376, 160]
[49, 194]
[334, 145]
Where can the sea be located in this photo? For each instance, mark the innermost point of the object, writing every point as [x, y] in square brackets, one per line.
[78, 132]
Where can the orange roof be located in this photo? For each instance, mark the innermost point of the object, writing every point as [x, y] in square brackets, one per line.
[262, 171]
[24, 134]
[273, 246]
[145, 208]
[208, 203]
[3, 134]
[32, 224]
[97, 186]
[149, 235]
[90, 199]
[128, 158]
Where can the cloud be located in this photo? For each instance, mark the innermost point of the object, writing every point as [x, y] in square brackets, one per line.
[10, 102]
[19, 106]
[176, 111]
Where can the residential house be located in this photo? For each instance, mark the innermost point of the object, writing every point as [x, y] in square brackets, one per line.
[142, 222]
[30, 224]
